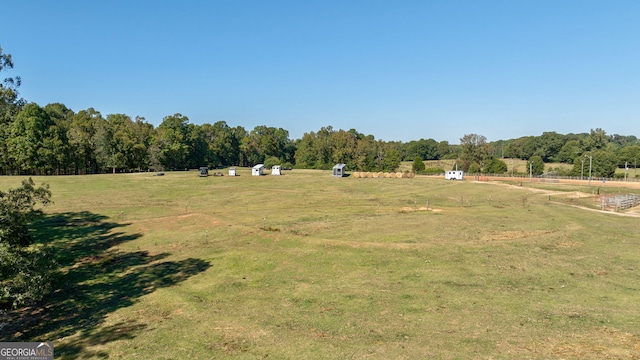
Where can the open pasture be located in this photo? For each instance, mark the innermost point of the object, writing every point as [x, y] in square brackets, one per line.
[307, 266]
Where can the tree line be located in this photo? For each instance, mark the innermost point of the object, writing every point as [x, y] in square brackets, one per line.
[598, 151]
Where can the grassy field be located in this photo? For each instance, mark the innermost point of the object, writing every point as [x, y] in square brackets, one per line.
[306, 266]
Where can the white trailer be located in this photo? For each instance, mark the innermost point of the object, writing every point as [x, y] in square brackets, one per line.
[454, 175]
[257, 170]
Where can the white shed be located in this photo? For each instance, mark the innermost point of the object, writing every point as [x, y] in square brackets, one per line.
[257, 170]
[275, 170]
[338, 170]
[454, 175]
[232, 171]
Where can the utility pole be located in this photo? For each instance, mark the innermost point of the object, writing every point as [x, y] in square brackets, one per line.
[582, 171]
[590, 160]
[626, 169]
[530, 171]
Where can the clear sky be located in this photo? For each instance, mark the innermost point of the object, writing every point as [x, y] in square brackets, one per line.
[398, 70]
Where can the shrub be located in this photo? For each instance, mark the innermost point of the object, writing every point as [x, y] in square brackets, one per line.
[537, 165]
[494, 166]
[24, 276]
[418, 165]
[271, 161]
[473, 168]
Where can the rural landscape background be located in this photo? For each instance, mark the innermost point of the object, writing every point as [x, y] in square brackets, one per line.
[53, 139]
[113, 246]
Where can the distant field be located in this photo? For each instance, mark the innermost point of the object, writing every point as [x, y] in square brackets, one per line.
[307, 266]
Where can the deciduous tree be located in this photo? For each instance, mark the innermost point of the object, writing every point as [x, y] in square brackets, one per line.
[22, 276]
[81, 137]
[172, 141]
[537, 165]
[418, 165]
[10, 105]
[629, 155]
[596, 140]
[28, 145]
[494, 166]
[474, 149]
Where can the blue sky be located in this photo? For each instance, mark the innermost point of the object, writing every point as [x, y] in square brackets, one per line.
[398, 70]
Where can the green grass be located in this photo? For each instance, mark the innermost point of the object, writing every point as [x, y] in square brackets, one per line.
[309, 266]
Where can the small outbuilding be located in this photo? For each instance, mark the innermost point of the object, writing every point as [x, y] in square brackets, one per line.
[338, 170]
[257, 170]
[232, 171]
[204, 171]
[275, 170]
[454, 175]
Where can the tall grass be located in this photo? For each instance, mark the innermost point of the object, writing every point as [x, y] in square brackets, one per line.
[305, 265]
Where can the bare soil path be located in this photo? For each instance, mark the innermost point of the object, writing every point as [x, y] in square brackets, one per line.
[635, 212]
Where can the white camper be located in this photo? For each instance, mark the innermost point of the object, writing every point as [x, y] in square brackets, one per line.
[454, 175]
[257, 170]
[232, 171]
[275, 170]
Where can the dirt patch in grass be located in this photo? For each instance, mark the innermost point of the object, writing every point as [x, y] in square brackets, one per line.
[373, 245]
[511, 235]
[568, 244]
[602, 344]
[574, 195]
[408, 209]
[633, 212]
[567, 195]
[198, 220]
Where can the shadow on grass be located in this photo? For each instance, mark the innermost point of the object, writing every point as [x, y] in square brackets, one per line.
[92, 279]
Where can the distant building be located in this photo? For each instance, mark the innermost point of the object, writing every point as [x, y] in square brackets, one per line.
[275, 170]
[454, 175]
[232, 171]
[257, 170]
[338, 170]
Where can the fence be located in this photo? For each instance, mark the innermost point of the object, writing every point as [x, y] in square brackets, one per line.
[621, 202]
[548, 178]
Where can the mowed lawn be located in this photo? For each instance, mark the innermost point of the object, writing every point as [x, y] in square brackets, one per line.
[307, 266]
